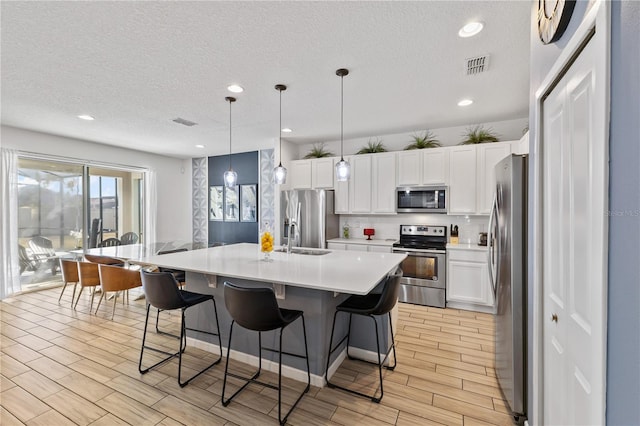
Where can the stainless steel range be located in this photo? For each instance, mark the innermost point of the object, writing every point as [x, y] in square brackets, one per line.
[424, 269]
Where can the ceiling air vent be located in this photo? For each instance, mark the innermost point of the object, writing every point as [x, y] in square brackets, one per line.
[184, 122]
[476, 65]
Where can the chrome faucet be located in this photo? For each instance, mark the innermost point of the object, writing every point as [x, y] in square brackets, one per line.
[292, 226]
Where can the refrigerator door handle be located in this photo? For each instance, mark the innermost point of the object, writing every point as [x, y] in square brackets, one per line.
[490, 239]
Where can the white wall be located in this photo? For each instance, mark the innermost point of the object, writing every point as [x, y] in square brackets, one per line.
[173, 174]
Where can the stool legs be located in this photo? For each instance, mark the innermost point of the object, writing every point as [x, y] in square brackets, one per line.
[182, 346]
[380, 362]
[253, 379]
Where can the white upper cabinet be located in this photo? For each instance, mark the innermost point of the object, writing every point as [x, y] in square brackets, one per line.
[383, 174]
[301, 174]
[409, 167]
[435, 166]
[322, 172]
[316, 173]
[361, 184]
[462, 179]
[521, 146]
[489, 154]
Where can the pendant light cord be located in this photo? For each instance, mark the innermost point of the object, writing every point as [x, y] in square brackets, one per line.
[230, 101]
[280, 133]
[341, 117]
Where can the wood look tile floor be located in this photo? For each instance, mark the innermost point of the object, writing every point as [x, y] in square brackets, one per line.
[64, 367]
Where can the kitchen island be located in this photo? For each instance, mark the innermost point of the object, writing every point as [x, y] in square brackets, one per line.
[314, 283]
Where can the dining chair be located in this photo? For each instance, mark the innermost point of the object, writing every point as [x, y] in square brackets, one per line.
[129, 238]
[69, 270]
[110, 242]
[88, 276]
[117, 279]
[369, 305]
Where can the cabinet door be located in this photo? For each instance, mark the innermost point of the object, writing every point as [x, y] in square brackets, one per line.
[360, 196]
[488, 156]
[322, 173]
[467, 282]
[435, 166]
[384, 184]
[356, 247]
[380, 249]
[409, 167]
[336, 246]
[462, 180]
[301, 174]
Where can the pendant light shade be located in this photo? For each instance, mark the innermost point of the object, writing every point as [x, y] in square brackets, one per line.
[230, 176]
[280, 173]
[343, 168]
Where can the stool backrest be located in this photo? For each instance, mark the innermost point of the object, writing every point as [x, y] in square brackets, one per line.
[69, 269]
[161, 290]
[253, 308]
[389, 295]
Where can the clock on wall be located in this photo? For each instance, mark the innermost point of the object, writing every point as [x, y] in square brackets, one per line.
[553, 18]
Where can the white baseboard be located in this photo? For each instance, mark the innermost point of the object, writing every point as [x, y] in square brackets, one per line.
[287, 371]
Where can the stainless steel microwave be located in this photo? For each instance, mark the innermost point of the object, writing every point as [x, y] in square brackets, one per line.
[421, 199]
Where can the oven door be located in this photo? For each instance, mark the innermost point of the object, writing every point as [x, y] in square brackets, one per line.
[423, 267]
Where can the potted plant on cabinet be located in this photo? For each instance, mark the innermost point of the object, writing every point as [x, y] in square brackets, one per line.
[318, 151]
[372, 147]
[425, 140]
[478, 134]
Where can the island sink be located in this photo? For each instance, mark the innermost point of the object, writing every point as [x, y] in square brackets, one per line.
[306, 251]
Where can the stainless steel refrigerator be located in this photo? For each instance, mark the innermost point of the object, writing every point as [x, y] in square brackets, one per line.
[507, 241]
[308, 214]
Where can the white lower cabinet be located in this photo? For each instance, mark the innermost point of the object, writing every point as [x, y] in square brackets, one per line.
[359, 247]
[467, 280]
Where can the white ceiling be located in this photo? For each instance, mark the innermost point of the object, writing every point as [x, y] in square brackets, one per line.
[135, 66]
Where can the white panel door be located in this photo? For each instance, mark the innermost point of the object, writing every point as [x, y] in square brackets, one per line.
[322, 173]
[574, 259]
[465, 282]
[301, 174]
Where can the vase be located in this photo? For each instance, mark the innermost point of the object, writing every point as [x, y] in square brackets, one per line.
[267, 256]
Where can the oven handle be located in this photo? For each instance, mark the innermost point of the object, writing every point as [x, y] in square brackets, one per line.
[419, 252]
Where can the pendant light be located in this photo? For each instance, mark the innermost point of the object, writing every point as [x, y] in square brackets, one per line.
[343, 169]
[230, 177]
[280, 172]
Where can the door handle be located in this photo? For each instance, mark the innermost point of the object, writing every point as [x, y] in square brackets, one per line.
[492, 279]
[554, 318]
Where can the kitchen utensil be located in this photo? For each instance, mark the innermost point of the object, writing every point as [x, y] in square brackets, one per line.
[369, 232]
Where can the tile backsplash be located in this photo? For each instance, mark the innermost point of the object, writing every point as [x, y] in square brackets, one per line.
[388, 227]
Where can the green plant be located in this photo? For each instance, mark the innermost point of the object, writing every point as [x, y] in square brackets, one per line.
[425, 140]
[318, 151]
[478, 134]
[372, 147]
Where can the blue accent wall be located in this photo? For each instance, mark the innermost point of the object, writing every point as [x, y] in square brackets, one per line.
[623, 331]
[246, 165]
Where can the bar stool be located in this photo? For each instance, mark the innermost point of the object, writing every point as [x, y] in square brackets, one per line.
[369, 305]
[257, 309]
[162, 292]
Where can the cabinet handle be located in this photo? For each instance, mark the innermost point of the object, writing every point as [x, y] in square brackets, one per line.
[554, 317]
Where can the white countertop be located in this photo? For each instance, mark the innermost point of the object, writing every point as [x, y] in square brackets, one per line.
[364, 241]
[473, 247]
[129, 251]
[339, 271]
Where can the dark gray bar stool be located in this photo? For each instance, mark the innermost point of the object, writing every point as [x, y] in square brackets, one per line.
[369, 305]
[162, 292]
[257, 309]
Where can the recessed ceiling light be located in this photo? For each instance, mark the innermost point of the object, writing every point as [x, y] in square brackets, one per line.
[465, 102]
[471, 29]
[287, 130]
[234, 88]
[200, 146]
[86, 117]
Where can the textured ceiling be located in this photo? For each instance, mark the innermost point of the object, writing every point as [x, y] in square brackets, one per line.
[135, 66]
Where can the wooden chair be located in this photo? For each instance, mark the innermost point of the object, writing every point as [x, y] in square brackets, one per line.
[117, 279]
[129, 238]
[104, 260]
[110, 242]
[42, 249]
[69, 270]
[88, 276]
